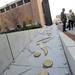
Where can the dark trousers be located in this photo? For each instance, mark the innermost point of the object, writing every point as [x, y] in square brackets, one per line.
[64, 26]
[70, 25]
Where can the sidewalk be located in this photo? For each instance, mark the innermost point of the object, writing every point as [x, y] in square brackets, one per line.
[26, 64]
[71, 33]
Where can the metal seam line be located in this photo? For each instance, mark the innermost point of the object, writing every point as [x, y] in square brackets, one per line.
[65, 56]
[10, 46]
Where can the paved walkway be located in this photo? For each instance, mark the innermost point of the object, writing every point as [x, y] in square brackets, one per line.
[27, 64]
[71, 33]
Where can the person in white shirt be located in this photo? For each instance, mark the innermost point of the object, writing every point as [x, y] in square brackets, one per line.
[71, 21]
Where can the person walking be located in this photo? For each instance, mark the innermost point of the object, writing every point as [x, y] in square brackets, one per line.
[71, 19]
[63, 19]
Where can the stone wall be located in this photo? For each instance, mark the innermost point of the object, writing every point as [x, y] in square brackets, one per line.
[28, 12]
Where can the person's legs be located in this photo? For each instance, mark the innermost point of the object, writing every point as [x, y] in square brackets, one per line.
[64, 26]
[69, 25]
[72, 24]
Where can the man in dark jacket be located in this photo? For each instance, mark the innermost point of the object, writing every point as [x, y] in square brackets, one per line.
[63, 19]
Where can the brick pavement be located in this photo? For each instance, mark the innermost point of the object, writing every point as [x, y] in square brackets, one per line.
[72, 36]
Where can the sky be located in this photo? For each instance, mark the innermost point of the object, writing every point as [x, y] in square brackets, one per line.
[55, 5]
[4, 2]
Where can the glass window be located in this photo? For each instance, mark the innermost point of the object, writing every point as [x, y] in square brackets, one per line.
[19, 3]
[2, 10]
[13, 5]
[7, 8]
[26, 1]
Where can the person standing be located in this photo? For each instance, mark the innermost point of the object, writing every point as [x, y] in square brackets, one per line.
[63, 19]
[71, 19]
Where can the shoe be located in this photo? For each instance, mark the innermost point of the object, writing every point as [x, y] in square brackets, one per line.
[64, 30]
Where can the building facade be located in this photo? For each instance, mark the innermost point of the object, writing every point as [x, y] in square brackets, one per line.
[25, 10]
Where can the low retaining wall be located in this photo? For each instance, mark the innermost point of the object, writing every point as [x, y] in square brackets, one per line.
[69, 49]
